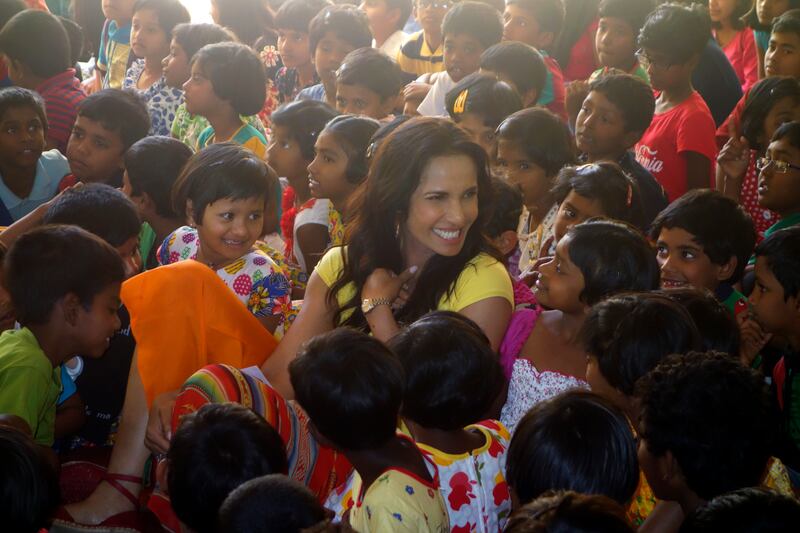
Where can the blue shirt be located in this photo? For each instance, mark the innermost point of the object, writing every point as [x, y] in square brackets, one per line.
[716, 81]
[51, 167]
[315, 92]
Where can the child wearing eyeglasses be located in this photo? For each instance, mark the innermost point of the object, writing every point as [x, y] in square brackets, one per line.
[679, 147]
[779, 180]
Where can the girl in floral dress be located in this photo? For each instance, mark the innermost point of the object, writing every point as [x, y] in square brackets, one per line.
[224, 190]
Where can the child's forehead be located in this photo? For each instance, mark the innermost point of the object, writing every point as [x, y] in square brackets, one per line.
[462, 39]
[786, 37]
[601, 100]
[334, 37]
[96, 127]
[615, 21]
[20, 113]
[783, 146]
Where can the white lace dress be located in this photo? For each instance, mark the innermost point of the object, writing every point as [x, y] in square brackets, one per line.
[527, 385]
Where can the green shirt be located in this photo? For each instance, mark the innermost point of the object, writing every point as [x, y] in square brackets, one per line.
[29, 385]
[788, 222]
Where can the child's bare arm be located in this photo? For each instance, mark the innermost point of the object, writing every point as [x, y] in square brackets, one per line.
[698, 171]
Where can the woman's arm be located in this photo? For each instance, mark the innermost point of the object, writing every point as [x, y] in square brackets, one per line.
[492, 315]
[315, 318]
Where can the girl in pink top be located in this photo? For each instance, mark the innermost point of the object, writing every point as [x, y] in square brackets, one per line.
[735, 39]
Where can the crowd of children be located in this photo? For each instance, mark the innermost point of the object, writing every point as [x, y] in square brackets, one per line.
[408, 265]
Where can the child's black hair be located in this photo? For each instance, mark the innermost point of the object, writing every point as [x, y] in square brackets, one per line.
[297, 14]
[347, 381]
[713, 415]
[383, 132]
[549, 14]
[576, 441]
[789, 130]
[788, 22]
[270, 504]
[304, 120]
[118, 111]
[717, 223]
[51, 54]
[605, 183]
[213, 451]
[153, 164]
[169, 13]
[99, 209]
[761, 98]
[632, 12]
[347, 22]
[612, 257]
[631, 95]
[568, 511]
[453, 376]
[750, 510]
[354, 134]
[12, 97]
[519, 62]
[631, 333]
[47, 263]
[248, 19]
[76, 40]
[373, 69]
[483, 95]
[506, 208]
[221, 170]
[717, 325]
[669, 20]
[542, 136]
[476, 19]
[236, 73]
[29, 493]
[782, 252]
[192, 37]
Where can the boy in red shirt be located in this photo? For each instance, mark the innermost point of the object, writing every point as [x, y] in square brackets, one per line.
[678, 148]
[538, 23]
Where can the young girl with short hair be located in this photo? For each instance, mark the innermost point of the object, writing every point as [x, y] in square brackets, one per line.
[227, 81]
[223, 190]
[542, 349]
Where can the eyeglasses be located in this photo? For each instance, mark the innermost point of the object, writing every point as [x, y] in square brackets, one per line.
[434, 4]
[781, 167]
[645, 60]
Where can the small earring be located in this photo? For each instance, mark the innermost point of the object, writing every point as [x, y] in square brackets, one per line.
[397, 231]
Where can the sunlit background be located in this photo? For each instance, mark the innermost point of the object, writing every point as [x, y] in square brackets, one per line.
[199, 9]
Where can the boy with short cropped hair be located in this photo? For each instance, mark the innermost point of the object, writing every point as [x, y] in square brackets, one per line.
[518, 64]
[615, 113]
[469, 28]
[539, 23]
[45, 68]
[64, 284]
[422, 53]
[775, 310]
[29, 176]
[386, 21]
[108, 123]
[297, 72]
[703, 240]
[368, 83]
[678, 148]
[333, 33]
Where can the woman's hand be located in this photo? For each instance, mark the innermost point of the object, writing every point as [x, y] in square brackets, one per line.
[159, 424]
[383, 283]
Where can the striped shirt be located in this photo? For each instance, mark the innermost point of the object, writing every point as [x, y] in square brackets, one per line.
[415, 57]
[61, 94]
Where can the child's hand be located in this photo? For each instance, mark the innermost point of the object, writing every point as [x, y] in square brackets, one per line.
[90, 85]
[416, 91]
[734, 158]
[159, 423]
[754, 338]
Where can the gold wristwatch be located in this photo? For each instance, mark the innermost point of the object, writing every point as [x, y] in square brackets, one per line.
[368, 304]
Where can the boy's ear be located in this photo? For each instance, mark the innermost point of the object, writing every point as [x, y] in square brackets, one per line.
[726, 270]
[190, 213]
[71, 307]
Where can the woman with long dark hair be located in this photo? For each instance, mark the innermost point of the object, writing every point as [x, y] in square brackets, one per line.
[416, 244]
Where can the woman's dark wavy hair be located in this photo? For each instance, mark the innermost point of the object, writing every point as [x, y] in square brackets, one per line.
[760, 100]
[372, 240]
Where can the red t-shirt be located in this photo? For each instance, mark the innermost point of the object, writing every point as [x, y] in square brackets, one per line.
[558, 104]
[582, 59]
[687, 127]
[742, 54]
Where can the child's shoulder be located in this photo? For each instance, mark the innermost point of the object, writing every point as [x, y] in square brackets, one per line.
[54, 165]
[179, 245]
